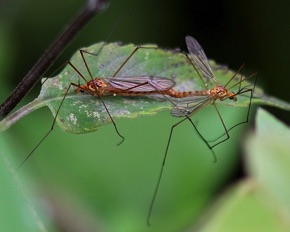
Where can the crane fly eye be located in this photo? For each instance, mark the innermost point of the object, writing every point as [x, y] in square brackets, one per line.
[233, 96]
[82, 90]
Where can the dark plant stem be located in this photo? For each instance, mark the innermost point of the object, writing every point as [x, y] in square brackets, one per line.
[50, 55]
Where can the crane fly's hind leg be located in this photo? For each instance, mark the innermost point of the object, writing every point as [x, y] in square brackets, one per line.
[161, 172]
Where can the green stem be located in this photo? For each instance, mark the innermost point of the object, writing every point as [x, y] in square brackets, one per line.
[23, 111]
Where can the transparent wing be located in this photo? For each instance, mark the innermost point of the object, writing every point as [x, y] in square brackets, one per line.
[189, 106]
[199, 57]
[141, 83]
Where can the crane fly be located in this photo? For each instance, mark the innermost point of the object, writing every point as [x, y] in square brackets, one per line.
[194, 101]
[189, 106]
[137, 85]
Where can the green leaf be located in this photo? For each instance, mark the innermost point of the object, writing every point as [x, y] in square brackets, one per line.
[244, 208]
[82, 113]
[269, 157]
[261, 201]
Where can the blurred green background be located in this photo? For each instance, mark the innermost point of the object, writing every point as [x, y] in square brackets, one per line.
[87, 180]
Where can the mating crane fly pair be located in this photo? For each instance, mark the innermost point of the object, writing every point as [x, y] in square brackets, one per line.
[184, 104]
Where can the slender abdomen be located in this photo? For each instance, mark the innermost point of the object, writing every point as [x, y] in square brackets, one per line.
[177, 94]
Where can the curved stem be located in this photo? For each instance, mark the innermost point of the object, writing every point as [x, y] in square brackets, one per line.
[23, 111]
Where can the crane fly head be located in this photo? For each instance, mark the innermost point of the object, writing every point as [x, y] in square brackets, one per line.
[82, 89]
[232, 96]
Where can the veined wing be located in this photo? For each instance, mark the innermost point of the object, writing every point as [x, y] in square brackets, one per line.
[141, 83]
[190, 105]
[199, 57]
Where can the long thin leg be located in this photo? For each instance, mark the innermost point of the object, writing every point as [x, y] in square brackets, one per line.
[130, 56]
[164, 160]
[224, 126]
[50, 130]
[125, 61]
[203, 139]
[161, 173]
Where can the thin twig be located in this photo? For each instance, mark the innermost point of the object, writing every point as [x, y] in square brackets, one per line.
[50, 55]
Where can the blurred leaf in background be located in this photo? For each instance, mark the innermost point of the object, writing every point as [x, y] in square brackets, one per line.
[261, 201]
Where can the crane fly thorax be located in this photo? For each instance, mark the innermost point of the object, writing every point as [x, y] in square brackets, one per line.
[97, 86]
[220, 92]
